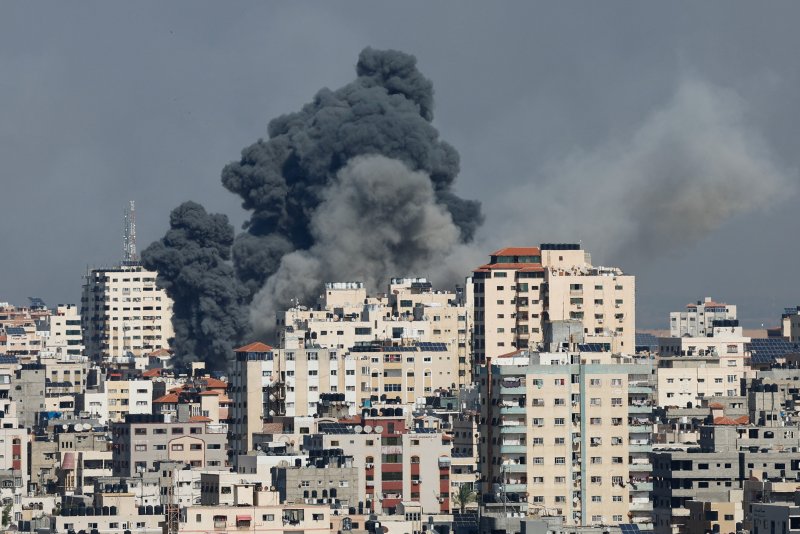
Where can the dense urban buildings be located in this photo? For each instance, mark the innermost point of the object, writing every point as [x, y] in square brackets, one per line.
[520, 401]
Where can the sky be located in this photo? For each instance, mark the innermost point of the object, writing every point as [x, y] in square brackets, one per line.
[662, 136]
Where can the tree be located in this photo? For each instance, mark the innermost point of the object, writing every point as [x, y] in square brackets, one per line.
[464, 496]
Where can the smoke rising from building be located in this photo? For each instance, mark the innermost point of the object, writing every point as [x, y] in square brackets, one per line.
[386, 110]
[192, 261]
[355, 184]
[375, 220]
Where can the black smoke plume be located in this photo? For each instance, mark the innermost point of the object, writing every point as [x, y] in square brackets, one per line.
[357, 184]
[387, 111]
[193, 264]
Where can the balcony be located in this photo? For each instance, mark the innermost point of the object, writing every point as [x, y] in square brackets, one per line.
[641, 506]
[513, 429]
[640, 429]
[513, 449]
[641, 486]
[514, 468]
[639, 408]
[643, 467]
[512, 410]
[512, 390]
[640, 446]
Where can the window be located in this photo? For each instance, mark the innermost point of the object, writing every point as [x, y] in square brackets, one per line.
[559, 441]
[595, 402]
[538, 480]
[616, 402]
[268, 517]
[596, 421]
[559, 421]
[616, 382]
[718, 381]
[616, 459]
[597, 460]
[196, 447]
[597, 498]
[538, 441]
[617, 498]
[177, 447]
[560, 402]
[596, 382]
[538, 460]
[617, 518]
[560, 460]
[141, 448]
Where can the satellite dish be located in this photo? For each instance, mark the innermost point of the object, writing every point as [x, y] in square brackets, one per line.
[65, 427]
[367, 429]
[358, 429]
[283, 463]
[378, 429]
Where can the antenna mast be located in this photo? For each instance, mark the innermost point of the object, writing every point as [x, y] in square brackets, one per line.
[129, 236]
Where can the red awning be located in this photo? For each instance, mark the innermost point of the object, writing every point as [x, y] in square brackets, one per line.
[243, 518]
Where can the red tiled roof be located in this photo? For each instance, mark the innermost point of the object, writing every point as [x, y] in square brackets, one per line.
[716, 406]
[169, 398]
[215, 383]
[199, 419]
[254, 347]
[159, 352]
[517, 251]
[724, 421]
[150, 373]
[743, 420]
[209, 392]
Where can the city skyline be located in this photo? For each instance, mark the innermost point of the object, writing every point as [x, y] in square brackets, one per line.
[157, 111]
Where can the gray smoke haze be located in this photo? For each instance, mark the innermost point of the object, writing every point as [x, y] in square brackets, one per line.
[688, 169]
[387, 110]
[356, 185]
[193, 264]
[378, 219]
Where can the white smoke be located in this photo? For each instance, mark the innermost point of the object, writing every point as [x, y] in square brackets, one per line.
[377, 220]
[684, 172]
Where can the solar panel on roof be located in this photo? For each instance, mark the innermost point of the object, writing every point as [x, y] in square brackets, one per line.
[432, 347]
[593, 347]
[8, 359]
[15, 331]
[629, 528]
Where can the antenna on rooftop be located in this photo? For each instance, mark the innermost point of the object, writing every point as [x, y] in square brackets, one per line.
[129, 236]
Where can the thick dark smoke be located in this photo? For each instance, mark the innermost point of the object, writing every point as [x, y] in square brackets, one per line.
[385, 111]
[357, 184]
[193, 264]
[377, 219]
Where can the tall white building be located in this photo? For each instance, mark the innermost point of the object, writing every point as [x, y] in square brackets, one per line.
[699, 318]
[526, 296]
[124, 311]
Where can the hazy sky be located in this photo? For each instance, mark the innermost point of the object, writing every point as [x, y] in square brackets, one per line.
[662, 135]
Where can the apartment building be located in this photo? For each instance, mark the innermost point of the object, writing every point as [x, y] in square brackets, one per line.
[411, 312]
[124, 311]
[125, 397]
[523, 291]
[730, 452]
[142, 441]
[395, 462]
[291, 382]
[699, 318]
[254, 508]
[568, 434]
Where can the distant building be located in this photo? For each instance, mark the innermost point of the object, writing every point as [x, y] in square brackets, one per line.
[124, 311]
[699, 318]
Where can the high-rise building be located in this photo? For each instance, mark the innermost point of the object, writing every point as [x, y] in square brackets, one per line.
[527, 296]
[124, 311]
[568, 434]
